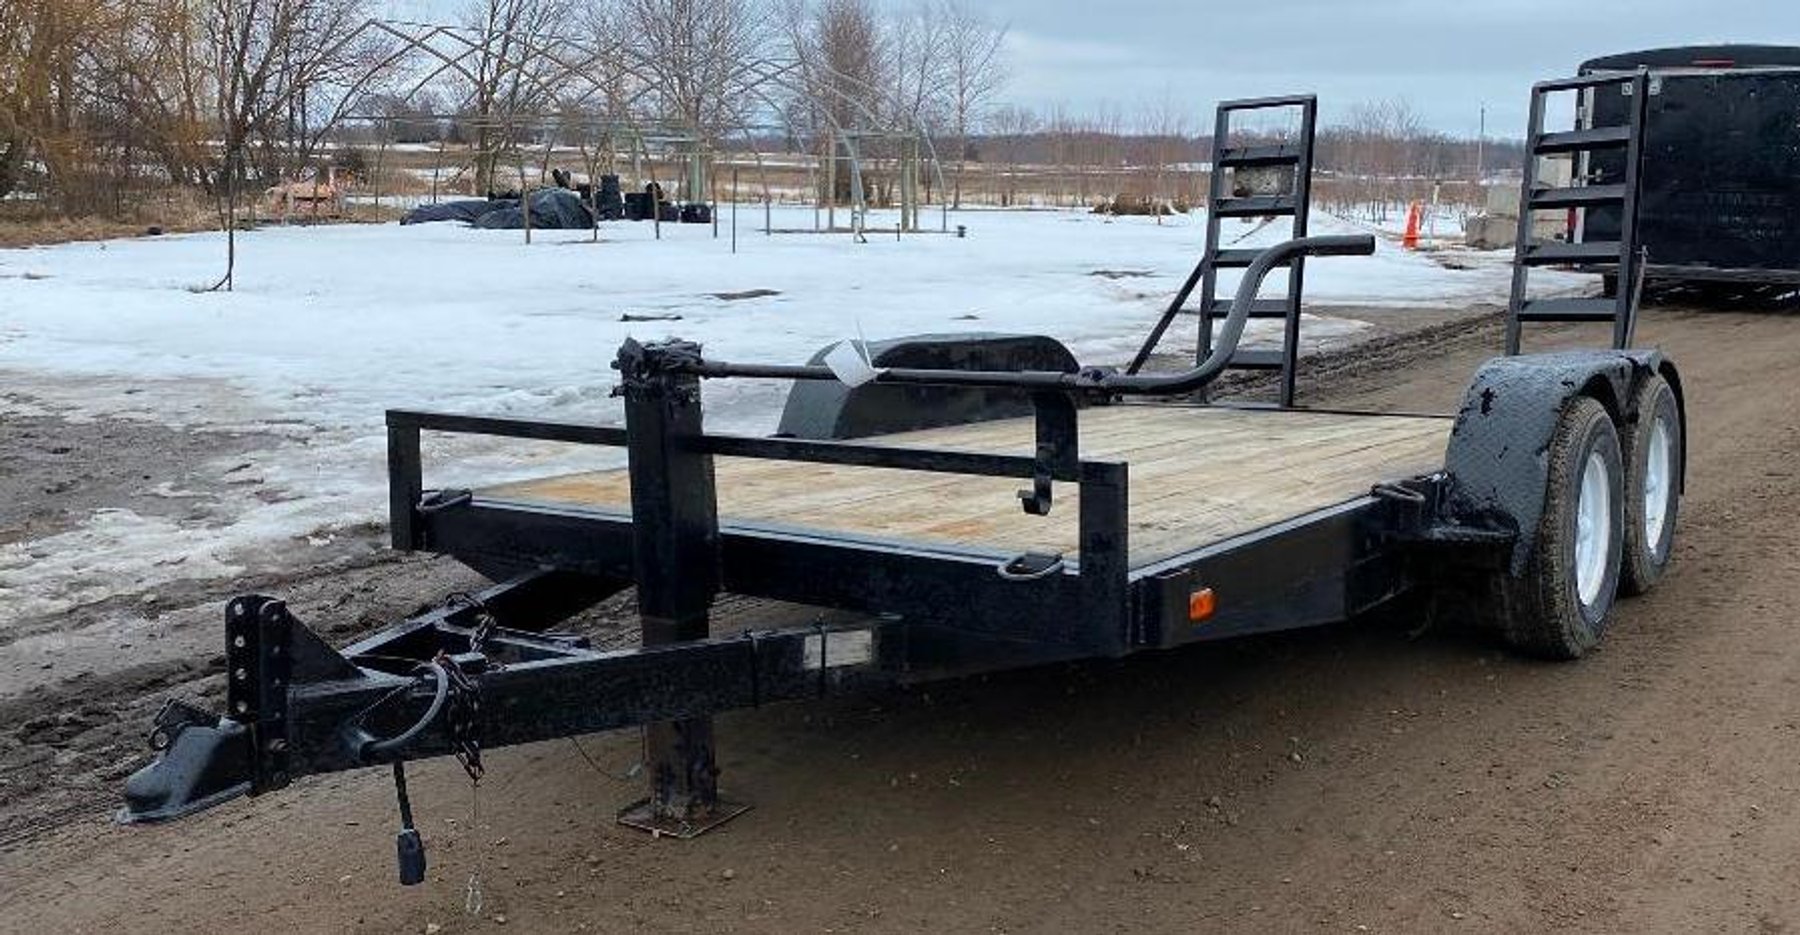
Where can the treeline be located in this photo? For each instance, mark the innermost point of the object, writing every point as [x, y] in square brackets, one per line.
[1383, 147]
[101, 98]
[1372, 163]
[104, 103]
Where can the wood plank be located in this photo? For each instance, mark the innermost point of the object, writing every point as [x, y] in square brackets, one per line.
[1198, 474]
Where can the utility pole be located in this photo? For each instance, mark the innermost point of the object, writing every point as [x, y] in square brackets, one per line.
[1480, 148]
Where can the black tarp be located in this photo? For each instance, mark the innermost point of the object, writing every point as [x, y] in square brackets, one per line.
[551, 209]
[467, 212]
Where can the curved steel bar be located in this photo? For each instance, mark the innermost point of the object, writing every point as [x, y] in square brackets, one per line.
[1087, 379]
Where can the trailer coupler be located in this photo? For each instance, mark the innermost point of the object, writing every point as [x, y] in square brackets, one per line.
[202, 760]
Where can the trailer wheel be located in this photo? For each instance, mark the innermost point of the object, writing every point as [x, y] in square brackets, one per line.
[1557, 609]
[1653, 449]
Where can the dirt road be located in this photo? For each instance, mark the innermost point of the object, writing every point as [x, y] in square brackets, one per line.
[1355, 778]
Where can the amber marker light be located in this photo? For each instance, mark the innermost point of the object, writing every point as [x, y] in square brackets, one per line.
[1201, 605]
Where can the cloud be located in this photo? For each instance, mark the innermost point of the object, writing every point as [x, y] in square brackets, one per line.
[1447, 59]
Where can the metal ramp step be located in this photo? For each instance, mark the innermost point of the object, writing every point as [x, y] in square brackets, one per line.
[1238, 259]
[1581, 82]
[1261, 308]
[1573, 141]
[1277, 154]
[1268, 103]
[1569, 310]
[1258, 359]
[1577, 196]
[1254, 206]
[1548, 254]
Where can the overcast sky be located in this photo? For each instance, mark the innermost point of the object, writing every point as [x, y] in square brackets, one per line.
[1446, 57]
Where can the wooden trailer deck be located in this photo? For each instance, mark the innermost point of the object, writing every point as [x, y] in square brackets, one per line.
[1197, 475]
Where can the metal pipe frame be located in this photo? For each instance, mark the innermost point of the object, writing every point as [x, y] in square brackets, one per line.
[1089, 380]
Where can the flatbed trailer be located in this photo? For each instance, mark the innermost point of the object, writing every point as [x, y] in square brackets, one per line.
[1145, 521]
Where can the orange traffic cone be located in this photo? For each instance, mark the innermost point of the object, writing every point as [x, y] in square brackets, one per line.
[1414, 214]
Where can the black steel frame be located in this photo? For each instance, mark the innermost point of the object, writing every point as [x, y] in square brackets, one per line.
[1297, 204]
[928, 611]
[1622, 257]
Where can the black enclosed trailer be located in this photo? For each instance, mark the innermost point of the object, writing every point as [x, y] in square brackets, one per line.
[1719, 197]
[1145, 521]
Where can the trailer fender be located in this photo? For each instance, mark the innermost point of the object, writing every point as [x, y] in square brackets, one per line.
[830, 410]
[1496, 459]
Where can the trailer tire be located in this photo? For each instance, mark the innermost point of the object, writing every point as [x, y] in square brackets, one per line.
[1557, 608]
[1654, 448]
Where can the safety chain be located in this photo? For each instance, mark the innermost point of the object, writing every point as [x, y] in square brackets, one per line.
[485, 620]
[463, 717]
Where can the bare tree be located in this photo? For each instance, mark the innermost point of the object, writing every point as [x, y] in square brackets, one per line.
[975, 72]
[697, 58]
[1011, 125]
[48, 49]
[1385, 151]
[697, 54]
[1165, 123]
[510, 72]
[162, 82]
[840, 49]
[917, 63]
[266, 55]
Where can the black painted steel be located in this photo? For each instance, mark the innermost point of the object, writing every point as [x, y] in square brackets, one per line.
[937, 460]
[1495, 455]
[1058, 449]
[1295, 156]
[406, 484]
[675, 545]
[1310, 570]
[514, 615]
[1590, 195]
[1091, 381]
[580, 433]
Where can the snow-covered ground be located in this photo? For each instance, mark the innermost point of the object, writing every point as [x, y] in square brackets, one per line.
[330, 326]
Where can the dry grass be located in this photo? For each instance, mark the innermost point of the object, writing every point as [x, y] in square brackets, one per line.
[24, 224]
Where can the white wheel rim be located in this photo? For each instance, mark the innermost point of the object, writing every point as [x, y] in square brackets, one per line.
[1593, 529]
[1658, 480]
